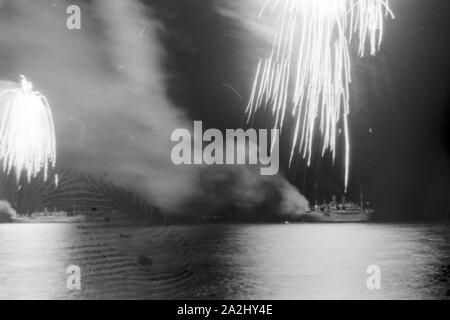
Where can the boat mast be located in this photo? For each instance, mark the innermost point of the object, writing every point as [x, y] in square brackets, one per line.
[361, 197]
[315, 193]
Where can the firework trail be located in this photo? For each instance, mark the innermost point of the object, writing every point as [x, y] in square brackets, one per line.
[308, 70]
[27, 133]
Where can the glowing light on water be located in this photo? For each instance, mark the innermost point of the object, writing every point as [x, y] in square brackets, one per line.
[308, 71]
[27, 133]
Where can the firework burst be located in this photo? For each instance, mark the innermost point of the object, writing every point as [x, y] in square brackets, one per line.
[27, 134]
[308, 71]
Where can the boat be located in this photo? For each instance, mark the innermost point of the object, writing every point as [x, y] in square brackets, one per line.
[348, 213]
[338, 212]
[54, 217]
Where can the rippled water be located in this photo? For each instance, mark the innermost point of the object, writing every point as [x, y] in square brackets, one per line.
[261, 261]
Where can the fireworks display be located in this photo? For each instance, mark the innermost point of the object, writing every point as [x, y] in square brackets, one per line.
[27, 134]
[308, 71]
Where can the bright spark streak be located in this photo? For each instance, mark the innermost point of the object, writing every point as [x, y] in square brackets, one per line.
[27, 133]
[308, 70]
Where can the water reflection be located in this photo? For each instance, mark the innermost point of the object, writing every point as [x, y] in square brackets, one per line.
[33, 260]
[295, 261]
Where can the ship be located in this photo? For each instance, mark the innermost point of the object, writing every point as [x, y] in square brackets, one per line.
[50, 217]
[338, 212]
[350, 213]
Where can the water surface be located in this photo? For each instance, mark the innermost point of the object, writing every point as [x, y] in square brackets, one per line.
[246, 261]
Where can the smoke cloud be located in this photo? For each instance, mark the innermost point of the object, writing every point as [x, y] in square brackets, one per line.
[7, 213]
[239, 192]
[107, 90]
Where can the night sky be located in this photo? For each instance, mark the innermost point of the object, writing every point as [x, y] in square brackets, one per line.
[401, 96]
[101, 83]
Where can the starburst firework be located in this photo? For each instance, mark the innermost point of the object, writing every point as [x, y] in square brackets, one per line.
[308, 71]
[27, 134]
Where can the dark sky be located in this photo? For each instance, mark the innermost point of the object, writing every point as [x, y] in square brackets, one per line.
[108, 89]
[402, 95]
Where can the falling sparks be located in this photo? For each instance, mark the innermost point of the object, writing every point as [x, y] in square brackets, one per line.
[308, 71]
[27, 134]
